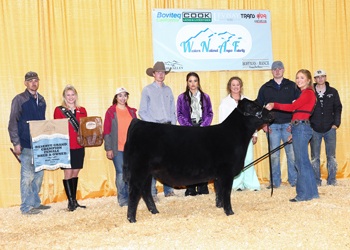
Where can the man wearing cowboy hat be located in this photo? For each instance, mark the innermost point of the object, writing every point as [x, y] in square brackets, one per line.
[158, 105]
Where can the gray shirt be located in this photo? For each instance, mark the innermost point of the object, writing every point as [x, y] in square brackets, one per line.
[157, 104]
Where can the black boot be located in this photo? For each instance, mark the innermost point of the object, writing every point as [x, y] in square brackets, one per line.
[69, 192]
[191, 190]
[75, 185]
[202, 188]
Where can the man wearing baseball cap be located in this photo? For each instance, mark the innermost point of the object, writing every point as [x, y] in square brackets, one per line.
[27, 106]
[158, 105]
[280, 90]
[325, 120]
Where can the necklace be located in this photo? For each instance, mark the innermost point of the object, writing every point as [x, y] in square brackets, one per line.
[235, 98]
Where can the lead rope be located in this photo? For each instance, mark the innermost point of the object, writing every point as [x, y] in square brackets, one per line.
[268, 143]
[265, 155]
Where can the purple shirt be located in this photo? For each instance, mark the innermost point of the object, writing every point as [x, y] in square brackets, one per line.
[184, 111]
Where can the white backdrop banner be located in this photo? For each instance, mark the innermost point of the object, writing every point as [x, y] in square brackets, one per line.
[212, 40]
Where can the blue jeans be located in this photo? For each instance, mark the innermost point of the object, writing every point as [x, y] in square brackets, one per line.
[166, 188]
[279, 133]
[306, 183]
[30, 181]
[330, 139]
[122, 187]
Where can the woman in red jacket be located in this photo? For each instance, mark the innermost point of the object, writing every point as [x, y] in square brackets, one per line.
[301, 131]
[70, 108]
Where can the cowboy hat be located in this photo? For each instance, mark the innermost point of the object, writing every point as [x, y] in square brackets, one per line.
[158, 66]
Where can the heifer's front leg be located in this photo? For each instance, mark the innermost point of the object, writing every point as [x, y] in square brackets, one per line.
[147, 196]
[134, 197]
[218, 191]
[226, 190]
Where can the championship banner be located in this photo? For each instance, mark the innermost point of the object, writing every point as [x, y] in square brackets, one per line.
[50, 141]
[212, 40]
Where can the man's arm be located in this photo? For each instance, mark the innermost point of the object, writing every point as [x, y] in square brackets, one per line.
[337, 108]
[261, 98]
[143, 111]
[16, 111]
[172, 108]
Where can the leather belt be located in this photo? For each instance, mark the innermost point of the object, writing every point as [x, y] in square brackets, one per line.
[296, 122]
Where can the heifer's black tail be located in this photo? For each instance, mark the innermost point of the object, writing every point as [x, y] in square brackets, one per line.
[126, 156]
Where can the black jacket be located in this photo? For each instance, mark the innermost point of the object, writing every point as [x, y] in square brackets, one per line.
[324, 118]
[286, 95]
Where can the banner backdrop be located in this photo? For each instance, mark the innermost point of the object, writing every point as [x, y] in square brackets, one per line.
[50, 140]
[211, 40]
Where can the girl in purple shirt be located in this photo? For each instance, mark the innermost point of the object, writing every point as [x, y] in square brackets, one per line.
[194, 109]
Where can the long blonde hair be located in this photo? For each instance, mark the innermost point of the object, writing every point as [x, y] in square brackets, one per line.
[70, 87]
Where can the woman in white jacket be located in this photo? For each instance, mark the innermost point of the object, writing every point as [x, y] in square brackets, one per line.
[246, 179]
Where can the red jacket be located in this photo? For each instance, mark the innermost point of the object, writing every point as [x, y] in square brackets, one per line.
[80, 112]
[305, 102]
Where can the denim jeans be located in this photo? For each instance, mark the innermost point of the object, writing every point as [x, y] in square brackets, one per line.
[279, 133]
[122, 187]
[330, 139]
[30, 181]
[166, 188]
[306, 183]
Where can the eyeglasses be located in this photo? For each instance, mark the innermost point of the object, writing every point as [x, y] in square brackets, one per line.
[318, 77]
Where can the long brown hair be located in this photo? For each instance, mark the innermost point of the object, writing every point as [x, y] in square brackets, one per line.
[187, 92]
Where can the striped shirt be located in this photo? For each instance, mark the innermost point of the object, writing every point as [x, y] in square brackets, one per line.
[157, 104]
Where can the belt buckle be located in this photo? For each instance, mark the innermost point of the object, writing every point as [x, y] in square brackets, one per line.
[295, 122]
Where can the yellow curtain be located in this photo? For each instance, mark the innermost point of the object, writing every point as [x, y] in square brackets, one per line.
[99, 45]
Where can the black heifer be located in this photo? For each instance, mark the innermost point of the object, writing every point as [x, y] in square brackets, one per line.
[181, 156]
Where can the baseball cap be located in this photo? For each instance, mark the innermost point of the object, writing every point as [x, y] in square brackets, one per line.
[31, 75]
[277, 64]
[320, 72]
[121, 90]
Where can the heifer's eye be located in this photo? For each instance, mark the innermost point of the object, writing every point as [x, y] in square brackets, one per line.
[252, 108]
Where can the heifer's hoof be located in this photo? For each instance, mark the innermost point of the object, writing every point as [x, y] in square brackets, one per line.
[229, 213]
[132, 220]
[154, 211]
[219, 204]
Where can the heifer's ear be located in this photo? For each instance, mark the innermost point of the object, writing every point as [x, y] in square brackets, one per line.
[241, 105]
[257, 102]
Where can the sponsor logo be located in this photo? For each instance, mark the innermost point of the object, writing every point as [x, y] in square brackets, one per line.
[253, 16]
[196, 16]
[174, 65]
[226, 16]
[213, 41]
[256, 64]
[261, 16]
[168, 17]
[247, 16]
